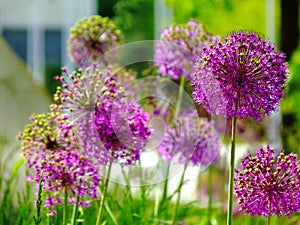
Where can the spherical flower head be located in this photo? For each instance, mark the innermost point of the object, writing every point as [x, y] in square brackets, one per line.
[66, 170]
[191, 140]
[111, 128]
[122, 129]
[268, 186]
[47, 132]
[52, 153]
[81, 90]
[242, 76]
[94, 40]
[178, 45]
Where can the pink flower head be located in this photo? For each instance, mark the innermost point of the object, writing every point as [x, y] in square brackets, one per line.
[52, 153]
[242, 76]
[191, 140]
[178, 46]
[111, 128]
[93, 40]
[268, 185]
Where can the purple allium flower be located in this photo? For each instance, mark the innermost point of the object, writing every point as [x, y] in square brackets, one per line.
[192, 140]
[93, 40]
[243, 76]
[269, 186]
[50, 148]
[122, 128]
[178, 45]
[51, 131]
[68, 170]
[111, 128]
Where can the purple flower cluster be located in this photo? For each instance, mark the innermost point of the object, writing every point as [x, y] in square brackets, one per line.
[94, 40]
[50, 149]
[68, 170]
[269, 186]
[122, 129]
[191, 140]
[242, 76]
[178, 46]
[51, 131]
[111, 128]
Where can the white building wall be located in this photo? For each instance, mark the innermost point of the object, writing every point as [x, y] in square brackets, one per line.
[49, 13]
[38, 15]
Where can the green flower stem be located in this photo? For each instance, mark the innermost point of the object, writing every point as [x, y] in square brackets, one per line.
[48, 219]
[38, 218]
[143, 190]
[178, 195]
[176, 114]
[231, 172]
[74, 216]
[128, 189]
[65, 215]
[165, 190]
[180, 95]
[166, 183]
[142, 185]
[101, 206]
[269, 209]
[110, 213]
[209, 190]
[269, 220]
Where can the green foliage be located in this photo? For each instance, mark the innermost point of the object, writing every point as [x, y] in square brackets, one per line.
[52, 70]
[136, 19]
[290, 106]
[124, 206]
[106, 8]
[224, 16]
[16, 206]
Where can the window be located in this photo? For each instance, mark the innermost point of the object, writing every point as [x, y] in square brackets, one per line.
[17, 39]
[53, 47]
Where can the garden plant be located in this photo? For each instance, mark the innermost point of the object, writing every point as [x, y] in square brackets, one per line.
[87, 155]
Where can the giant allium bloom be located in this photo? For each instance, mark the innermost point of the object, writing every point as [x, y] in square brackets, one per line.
[49, 146]
[94, 40]
[268, 186]
[111, 127]
[178, 45]
[242, 76]
[190, 139]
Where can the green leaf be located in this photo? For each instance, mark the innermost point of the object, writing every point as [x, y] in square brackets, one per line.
[17, 165]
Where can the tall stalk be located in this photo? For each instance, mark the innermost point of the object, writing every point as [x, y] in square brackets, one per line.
[65, 214]
[165, 190]
[269, 213]
[269, 220]
[209, 190]
[180, 95]
[178, 195]
[38, 218]
[75, 209]
[127, 181]
[231, 172]
[142, 185]
[142, 192]
[101, 206]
